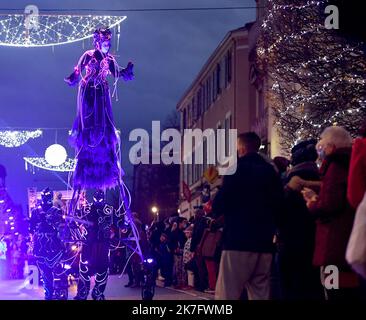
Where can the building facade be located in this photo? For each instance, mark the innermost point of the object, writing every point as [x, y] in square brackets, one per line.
[220, 97]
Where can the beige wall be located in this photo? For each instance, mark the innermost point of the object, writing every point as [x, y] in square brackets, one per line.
[242, 87]
[235, 100]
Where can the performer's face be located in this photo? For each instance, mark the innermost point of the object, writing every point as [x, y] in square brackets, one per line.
[98, 198]
[105, 46]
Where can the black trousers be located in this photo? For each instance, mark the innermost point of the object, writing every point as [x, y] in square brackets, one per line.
[47, 276]
[94, 260]
[299, 280]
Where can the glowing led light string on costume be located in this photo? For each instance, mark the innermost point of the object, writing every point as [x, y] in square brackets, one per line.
[16, 138]
[52, 29]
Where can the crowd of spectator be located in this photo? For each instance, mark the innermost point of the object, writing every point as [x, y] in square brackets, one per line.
[274, 228]
[275, 225]
[13, 256]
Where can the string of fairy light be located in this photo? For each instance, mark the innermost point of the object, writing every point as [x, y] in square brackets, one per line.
[11, 138]
[20, 30]
[58, 26]
[16, 138]
[275, 7]
[40, 162]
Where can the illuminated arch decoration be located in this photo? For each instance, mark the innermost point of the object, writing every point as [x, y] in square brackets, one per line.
[39, 162]
[15, 138]
[17, 30]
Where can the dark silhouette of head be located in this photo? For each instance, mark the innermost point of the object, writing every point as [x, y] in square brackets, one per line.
[248, 142]
[47, 198]
[99, 197]
[304, 151]
[281, 163]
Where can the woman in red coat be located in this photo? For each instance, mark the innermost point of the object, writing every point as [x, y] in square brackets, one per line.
[357, 171]
[333, 212]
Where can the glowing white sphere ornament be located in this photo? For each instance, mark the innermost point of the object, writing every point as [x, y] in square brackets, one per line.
[55, 155]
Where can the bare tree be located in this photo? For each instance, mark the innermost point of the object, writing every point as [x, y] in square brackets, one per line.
[316, 76]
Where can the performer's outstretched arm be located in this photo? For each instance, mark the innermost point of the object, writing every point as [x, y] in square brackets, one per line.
[125, 73]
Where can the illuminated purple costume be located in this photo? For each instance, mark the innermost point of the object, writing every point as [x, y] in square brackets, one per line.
[94, 134]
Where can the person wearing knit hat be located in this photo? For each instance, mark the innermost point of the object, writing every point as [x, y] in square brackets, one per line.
[304, 151]
[299, 279]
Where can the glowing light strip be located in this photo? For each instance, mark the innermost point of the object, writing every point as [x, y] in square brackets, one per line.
[52, 29]
[67, 166]
[14, 138]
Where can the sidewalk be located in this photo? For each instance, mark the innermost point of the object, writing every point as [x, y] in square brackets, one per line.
[191, 292]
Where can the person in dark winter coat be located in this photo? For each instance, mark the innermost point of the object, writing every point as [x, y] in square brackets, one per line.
[200, 223]
[250, 200]
[334, 215]
[165, 260]
[282, 165]
[177, 242]
[299, 278]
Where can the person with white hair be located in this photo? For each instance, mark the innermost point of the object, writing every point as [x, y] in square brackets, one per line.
[334, 216]
[333, 138]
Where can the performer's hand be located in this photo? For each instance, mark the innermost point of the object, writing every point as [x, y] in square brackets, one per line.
[69, 81]
[128, 72]
[72, 80]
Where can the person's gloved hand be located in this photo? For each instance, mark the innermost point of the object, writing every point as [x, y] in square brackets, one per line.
[72, 80]
[127, 73]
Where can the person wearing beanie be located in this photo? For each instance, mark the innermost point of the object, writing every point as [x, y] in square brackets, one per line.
[299, 279]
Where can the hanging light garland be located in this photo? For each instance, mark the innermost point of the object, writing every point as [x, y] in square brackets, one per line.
[22, 30]
[15, 138]
[39, 162]
[55, 158]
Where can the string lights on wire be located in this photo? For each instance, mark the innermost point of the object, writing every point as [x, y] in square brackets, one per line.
[51, 29]
[16, 138]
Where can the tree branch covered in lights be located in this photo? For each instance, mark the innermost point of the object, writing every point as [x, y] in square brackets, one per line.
[316, 77]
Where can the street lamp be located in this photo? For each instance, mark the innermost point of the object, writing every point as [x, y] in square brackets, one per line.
[155, 211]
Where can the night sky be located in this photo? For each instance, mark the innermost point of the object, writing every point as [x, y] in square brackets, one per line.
[167, 48]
